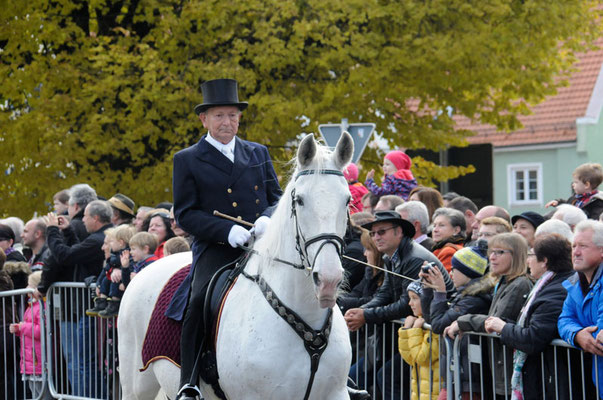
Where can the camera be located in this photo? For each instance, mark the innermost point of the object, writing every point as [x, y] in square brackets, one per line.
[425, 269]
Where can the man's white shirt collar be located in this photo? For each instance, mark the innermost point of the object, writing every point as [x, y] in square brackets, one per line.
[226, 149]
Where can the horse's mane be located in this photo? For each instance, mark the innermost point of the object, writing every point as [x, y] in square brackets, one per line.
[275, 240]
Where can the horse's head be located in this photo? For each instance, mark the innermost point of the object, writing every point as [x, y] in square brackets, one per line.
[319, 206]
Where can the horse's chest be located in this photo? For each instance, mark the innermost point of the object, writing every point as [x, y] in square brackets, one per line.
[253, 338]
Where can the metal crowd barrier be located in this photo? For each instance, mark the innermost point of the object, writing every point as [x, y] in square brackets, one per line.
[82, 350]
[79, 357]
[378, 367]
[27, 379]
[571, 368]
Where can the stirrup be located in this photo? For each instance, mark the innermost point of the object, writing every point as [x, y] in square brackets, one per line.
[190, 387]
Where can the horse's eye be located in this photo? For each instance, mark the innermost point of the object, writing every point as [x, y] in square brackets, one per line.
[347, 203]
[299, 200]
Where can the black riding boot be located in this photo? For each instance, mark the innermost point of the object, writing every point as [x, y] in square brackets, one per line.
[356, 394]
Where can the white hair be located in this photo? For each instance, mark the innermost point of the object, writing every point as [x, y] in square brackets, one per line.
[417, 211]
[16, 224]
[555, 226]
[570, 214]
[591, 225]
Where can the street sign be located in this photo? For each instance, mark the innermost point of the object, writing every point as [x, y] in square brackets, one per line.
[361, 134]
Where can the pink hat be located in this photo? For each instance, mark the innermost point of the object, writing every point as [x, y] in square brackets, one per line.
[351, 172]
[402, 162]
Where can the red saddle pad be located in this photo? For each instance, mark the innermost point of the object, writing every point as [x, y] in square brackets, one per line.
[162, 340]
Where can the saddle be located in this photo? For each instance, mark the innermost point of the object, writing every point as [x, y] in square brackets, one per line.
[217, 291]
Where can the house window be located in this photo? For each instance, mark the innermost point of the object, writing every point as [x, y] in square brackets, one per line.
[525, 184]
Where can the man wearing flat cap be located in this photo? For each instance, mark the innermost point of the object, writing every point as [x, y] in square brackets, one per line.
[224, 173]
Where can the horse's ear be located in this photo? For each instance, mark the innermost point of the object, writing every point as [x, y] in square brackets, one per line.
[306, 151]
[344, 150]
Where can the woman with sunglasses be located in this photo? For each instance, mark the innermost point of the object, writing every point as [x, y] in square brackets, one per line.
[508, 254]
[551, 264]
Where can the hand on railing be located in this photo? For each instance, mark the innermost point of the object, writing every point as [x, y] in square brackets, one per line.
[452, 330]
[494, 325]
[587, 342]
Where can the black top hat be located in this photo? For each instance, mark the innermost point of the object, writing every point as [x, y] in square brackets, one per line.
[220, 92]
[391, 216]
[532, 217]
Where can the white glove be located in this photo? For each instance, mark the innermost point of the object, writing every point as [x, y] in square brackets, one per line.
[261, 224]
[238, 236]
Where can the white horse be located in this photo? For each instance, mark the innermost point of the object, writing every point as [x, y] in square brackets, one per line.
[259, 354]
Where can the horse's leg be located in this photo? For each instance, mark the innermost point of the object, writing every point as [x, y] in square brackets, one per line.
[168, 377]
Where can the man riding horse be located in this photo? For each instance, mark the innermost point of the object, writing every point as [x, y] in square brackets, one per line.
[224, 173]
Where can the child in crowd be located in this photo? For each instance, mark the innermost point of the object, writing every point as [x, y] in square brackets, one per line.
[108, 290]
[398, 178]
[175, 245]
[585, 181]
[141, 253]
[473, 296]
[29, 331]
[357, 189]
[419, 348]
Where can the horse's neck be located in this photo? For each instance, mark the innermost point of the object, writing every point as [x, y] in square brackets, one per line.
[292, 286]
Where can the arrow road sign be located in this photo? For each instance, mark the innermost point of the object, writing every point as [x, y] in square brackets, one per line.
[361, 134]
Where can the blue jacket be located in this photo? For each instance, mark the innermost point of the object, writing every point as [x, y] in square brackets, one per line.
[581, 311]
[205, 180]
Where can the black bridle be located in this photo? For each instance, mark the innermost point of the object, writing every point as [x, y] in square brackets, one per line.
[301, 243]
[315, 341]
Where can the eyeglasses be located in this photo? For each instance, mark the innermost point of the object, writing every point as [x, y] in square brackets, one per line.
[531, 254]
[499, 252]
[380, 232]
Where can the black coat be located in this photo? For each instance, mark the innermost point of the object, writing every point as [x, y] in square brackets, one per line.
[540, 328]
[205, 180]
[354, 271]
[77, 262]
[391, 300]
[473, 298]
[363, 292]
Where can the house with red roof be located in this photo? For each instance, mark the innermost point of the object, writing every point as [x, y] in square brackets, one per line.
[534, 164]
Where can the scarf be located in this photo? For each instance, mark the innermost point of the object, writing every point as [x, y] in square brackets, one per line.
[582, 199]
[519, 357]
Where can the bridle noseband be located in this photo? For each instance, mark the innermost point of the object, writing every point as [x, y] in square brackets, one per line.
[301, 243]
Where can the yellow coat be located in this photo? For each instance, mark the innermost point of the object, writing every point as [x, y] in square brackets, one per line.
[417, 351]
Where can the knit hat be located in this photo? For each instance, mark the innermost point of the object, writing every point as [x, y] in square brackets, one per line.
[415, 287]
[402, 162]
[471, 261]
[351, 172]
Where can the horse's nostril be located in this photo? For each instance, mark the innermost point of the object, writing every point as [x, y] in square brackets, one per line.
[316, 278]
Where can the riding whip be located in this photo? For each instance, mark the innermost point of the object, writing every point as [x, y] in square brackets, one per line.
[233, 219]
[243, 222]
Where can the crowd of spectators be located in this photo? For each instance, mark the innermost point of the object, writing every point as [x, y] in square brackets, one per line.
[529, 278]
[86, 238]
